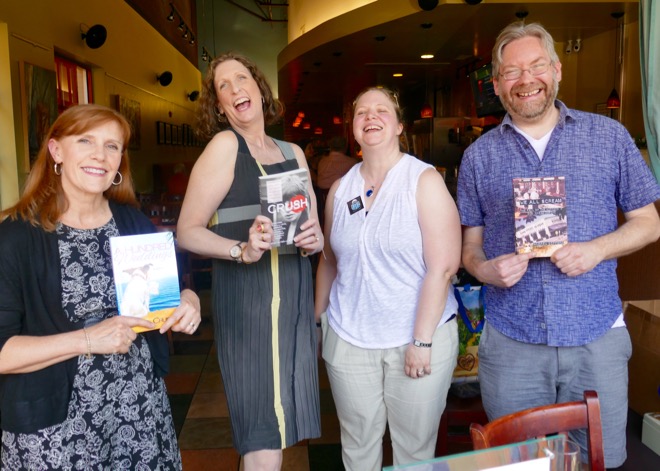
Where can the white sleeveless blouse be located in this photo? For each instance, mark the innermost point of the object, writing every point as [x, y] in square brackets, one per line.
[380, 264]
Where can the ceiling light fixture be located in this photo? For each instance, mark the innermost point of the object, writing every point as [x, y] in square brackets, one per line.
[398, 74]
[427, 56]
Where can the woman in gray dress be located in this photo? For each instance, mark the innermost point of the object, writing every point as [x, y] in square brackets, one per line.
[262, 296]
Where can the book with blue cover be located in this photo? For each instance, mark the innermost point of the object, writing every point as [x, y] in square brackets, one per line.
[146, 276]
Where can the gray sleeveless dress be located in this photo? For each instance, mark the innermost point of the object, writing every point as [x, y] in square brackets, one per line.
[264, 325]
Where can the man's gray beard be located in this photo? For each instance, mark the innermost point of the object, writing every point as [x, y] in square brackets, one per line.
[531, 111]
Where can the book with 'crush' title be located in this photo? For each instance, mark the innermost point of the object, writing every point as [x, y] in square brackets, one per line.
[285, 200]
[146, 276]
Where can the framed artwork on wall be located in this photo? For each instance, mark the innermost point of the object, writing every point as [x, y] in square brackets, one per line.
[168, 133]
[131, 111]
[39, 97]
[160, 132]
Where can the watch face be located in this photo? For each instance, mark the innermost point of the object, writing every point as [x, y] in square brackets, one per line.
[235, 251]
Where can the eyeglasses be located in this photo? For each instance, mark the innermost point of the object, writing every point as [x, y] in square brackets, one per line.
[534, 71]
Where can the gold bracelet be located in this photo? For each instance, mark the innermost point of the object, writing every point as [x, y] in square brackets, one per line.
[88, 355]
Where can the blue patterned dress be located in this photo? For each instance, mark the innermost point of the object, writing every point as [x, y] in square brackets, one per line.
[119, 416]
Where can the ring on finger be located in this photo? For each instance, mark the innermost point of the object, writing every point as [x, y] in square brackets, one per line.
[317, 237]
[420, 372]
[260, 228]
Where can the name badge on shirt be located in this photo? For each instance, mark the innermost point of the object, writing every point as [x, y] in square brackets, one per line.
[355, 205]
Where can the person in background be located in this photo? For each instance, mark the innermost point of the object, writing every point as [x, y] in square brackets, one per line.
[334, 165]
[313, 155]
[262, 296]
[383, 293]
[79, 389]
[554, 326]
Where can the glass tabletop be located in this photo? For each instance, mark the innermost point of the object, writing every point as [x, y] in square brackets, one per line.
[534, 453]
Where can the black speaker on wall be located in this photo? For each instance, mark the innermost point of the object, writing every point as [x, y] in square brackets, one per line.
[427, 5]
[95, 36]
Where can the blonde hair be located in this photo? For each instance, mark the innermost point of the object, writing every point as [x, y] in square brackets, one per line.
[519, 30]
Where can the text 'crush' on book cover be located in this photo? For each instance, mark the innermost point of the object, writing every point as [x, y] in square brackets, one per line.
[285, 200]
[146, 276]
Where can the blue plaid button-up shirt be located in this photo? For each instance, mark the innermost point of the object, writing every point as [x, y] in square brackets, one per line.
[604, 171]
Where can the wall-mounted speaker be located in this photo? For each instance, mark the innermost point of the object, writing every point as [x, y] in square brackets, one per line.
[95, 36]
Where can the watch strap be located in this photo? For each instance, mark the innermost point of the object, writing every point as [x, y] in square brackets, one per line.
[418, 343]
[237, 258]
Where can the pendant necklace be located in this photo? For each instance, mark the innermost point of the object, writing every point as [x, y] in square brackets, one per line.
[370, 191]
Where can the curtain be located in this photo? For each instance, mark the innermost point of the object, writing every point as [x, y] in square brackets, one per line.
[649, 41]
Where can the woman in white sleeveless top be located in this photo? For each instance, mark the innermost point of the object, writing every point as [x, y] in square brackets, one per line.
[383, 296]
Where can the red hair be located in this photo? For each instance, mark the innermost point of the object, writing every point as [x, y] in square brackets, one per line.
[43, 201]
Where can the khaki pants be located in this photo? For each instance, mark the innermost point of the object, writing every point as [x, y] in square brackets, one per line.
[370, 390]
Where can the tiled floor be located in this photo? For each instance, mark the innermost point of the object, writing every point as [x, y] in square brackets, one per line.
[202, 420]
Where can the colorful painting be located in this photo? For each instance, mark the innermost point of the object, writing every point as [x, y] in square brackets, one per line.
[131, 111]
[40, 97]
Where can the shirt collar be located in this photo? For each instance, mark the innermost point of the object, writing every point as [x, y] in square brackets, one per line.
[564, 113]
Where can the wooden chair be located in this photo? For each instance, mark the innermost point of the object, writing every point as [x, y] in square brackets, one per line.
[547, 420]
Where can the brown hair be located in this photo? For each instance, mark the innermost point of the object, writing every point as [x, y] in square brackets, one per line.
[43, 200]
[210, 121]
[391, 95]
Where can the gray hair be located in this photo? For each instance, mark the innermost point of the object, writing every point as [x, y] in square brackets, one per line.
[519, 30]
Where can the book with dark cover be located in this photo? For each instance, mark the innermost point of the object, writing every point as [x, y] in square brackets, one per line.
[146, 276]
[285, 200]
[540, 215]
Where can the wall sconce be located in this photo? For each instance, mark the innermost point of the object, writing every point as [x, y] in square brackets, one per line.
[193, 96]
[95, 36]
[186, 34]
[170, 17]
[205, 54]
[165, 78]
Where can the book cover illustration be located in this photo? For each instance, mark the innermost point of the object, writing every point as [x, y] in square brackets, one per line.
[285, 200]
[471, 314]
[540, 215]
[146, 276]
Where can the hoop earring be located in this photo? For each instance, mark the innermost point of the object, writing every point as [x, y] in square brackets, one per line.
[121, 179]
[218, 114]
[57, 168]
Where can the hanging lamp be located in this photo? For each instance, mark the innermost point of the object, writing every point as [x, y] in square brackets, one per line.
[614, 101]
